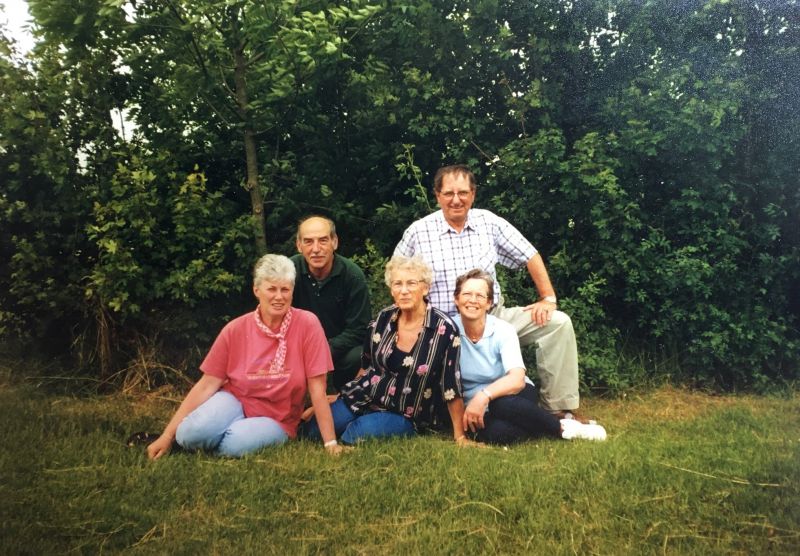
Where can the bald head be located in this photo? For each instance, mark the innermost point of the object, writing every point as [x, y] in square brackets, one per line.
[314, 222]
[317, 242]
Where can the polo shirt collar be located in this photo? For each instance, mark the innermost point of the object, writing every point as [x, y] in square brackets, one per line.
[490, 326]
[488, 330]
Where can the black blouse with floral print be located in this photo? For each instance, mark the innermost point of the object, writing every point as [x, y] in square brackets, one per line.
[428, 378]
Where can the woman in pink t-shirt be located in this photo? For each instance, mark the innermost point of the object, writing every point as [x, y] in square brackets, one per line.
[256, 375]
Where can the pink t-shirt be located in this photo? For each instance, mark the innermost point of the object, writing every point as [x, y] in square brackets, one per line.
[242, 354]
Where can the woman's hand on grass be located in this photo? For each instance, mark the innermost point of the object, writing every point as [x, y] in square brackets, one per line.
[464, 442]
[160, 447]
[337, 449]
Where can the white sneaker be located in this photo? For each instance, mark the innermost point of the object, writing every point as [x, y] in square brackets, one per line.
[572, 429]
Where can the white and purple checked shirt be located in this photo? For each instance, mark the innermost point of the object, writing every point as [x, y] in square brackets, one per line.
[485, 241]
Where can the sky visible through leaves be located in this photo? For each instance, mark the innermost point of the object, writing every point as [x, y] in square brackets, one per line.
[15, 18]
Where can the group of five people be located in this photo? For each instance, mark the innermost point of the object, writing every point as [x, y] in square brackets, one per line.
[445, 354]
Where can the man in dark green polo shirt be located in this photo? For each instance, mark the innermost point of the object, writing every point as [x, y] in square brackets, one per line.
[333, 288]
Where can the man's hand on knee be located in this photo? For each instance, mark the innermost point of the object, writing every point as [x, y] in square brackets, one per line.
[541, 311]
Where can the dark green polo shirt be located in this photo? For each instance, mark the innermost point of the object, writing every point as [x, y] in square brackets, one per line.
[340, 301]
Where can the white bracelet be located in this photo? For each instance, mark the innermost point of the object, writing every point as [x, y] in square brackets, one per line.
[488, 395]
[330, 443]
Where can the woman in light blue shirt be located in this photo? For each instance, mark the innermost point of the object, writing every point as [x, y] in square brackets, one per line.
[502, 402]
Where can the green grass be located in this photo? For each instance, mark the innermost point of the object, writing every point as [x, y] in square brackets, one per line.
[682, 473]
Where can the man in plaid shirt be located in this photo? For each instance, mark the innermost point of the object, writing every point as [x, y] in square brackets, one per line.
[457, 239]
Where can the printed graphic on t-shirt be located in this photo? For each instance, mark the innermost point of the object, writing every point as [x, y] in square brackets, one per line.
[261, 371]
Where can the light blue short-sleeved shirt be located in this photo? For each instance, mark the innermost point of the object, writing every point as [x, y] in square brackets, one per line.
[491, 358]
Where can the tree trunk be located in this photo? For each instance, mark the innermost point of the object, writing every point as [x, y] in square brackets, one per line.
[251, 154]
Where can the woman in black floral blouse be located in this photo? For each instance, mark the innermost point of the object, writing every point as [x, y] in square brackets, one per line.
[409, 366]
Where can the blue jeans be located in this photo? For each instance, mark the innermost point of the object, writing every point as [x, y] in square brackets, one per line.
[219, 425]
[352, 428]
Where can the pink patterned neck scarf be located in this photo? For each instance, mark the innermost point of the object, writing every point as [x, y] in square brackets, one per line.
[277, 364]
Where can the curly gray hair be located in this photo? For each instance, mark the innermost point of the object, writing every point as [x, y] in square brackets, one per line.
[274, 268]
[414, 264]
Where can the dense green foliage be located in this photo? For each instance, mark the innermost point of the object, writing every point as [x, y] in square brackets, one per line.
[647, 148]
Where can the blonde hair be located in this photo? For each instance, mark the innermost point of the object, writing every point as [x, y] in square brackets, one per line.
[413, 264]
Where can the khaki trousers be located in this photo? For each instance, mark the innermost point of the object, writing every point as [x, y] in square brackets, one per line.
[556, 354]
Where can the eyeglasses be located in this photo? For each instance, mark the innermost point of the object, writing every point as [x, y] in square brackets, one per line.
[473, 295]
[410, 285]
[448, 195]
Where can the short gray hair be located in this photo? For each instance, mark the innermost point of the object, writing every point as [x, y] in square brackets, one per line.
[274, 268]
[413, 264]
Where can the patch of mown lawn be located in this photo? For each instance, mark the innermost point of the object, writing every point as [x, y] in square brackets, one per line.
[682, 472]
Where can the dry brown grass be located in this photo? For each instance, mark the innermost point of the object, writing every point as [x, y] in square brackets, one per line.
[667, 403]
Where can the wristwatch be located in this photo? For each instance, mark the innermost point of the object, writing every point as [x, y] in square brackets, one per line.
[550, 299]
